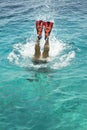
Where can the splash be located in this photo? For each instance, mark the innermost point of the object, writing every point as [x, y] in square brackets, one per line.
[60, 53]
[64, 60]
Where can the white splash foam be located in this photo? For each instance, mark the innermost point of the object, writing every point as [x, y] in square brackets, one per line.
[64, 60]
[23, 53]
[55, 48]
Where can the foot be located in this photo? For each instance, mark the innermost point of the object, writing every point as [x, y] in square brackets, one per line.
[47, 29]
[39, 28]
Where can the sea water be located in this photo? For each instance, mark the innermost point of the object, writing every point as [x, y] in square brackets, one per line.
[50, 96]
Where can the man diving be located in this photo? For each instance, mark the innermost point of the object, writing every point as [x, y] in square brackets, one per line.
[47, 29]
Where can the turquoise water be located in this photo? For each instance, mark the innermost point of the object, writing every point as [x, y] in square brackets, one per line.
[50, 96]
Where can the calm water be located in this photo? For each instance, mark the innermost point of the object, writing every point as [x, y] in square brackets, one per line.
[50, 96]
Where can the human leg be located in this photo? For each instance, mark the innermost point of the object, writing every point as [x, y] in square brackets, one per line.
[47, 29]
[45, 53]
[39, 27]
[37, 53]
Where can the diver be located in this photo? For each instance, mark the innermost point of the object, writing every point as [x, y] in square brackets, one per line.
[47, 29]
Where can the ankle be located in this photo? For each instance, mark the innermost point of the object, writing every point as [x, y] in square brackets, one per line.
[46, 38]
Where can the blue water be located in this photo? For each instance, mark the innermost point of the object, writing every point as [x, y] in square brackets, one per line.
[50, 96]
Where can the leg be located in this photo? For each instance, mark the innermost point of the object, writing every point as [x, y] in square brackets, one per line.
[37, 50]
[39, 27]
[45, 53]
[47, 29]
